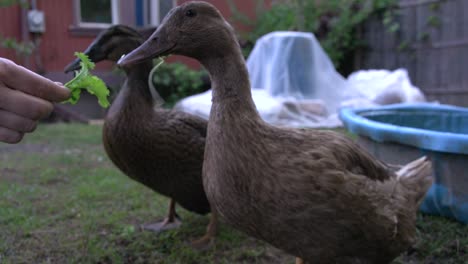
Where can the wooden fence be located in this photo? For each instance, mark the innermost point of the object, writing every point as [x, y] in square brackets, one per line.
[431, 43]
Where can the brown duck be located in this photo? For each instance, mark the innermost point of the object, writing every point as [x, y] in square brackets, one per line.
[160, 148]
[313, 193]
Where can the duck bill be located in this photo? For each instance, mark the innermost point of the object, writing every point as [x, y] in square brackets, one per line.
[152, 48]
[73, 66]
[93, 52]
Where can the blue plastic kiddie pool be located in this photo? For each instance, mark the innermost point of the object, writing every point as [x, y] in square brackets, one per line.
[400, 133]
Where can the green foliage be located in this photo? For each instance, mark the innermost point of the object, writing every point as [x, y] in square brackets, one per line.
[174, 81]
[423, 36]
[389, 21]
[7, 3]
[404, 46]
[334, 22]
[434, 21]
[435, 6]
[85, 80]
[22, 48]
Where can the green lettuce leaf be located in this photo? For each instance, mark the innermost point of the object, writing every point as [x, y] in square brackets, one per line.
[85, 80]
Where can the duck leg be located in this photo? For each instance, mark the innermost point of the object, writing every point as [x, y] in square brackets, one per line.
[211, 230]
[170, 222]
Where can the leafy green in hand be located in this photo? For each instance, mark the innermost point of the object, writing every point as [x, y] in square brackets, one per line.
[85, 80]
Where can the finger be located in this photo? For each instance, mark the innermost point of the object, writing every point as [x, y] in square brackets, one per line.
[16, 122]
[10, 136]
[25, 105]
[20, 78]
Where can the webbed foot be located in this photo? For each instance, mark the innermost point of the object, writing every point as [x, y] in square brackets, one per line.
[166, 224]
[172, 221]
[206, 241]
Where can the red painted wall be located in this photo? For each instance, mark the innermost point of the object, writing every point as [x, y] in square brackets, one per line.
[10, 26]
[58, 43]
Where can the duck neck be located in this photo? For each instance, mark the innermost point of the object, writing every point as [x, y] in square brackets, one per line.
[230, 83]
[137, 83]
[135, 91]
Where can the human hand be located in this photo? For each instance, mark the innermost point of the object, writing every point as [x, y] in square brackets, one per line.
[25, 98]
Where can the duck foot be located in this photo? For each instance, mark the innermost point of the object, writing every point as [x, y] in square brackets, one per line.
[207, 240]
[203, 243]
[299, 261]
[164, 225]
[170, 222]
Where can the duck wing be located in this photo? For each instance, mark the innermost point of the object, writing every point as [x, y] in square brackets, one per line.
[351, 156]
[196, 123]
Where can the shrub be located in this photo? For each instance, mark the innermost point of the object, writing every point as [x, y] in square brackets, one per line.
[175, 81]
[335, 23]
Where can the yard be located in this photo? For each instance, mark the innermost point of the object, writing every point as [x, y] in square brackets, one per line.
[62, 201]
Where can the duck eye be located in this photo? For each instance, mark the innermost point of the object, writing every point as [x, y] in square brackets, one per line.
[190, 13]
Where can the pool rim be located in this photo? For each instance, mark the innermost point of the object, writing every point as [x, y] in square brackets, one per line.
[447, 142]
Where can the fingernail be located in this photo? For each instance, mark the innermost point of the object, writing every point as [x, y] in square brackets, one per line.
[59, 83]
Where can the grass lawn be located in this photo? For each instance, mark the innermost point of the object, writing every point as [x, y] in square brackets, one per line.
[62, 201]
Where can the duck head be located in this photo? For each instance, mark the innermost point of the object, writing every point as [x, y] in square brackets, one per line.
[195, 29]
[110, 44]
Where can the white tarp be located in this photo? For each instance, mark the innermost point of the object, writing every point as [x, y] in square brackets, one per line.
[294, 83]
[383, 87]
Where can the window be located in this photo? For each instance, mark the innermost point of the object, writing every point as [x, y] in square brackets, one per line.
[151, 12]
[91, 16]
[96, 13]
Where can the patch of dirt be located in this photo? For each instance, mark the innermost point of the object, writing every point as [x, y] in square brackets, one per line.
[8, 171]
[254, 251]
[55, 181]
[453, 252]
[11, 175]
[29, 148]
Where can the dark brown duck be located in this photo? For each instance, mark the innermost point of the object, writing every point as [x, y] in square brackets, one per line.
[160, 148]
[313, 193]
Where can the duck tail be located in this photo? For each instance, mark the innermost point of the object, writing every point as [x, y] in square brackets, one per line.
[416, 176]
